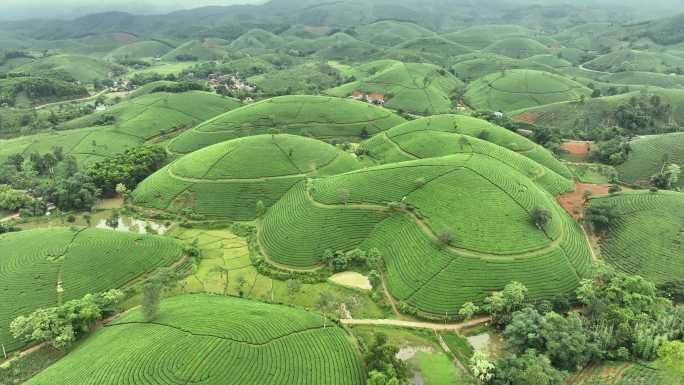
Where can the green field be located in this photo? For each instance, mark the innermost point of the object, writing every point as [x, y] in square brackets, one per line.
[135, 122]
[82, 68]
[476, 198]
[45, 261]
[316, 116]
[512, 90]
[417, 88]
[436, 136]
[213, 340]
[518, 48]
[227, 179]
[647, 157]
[648, 234]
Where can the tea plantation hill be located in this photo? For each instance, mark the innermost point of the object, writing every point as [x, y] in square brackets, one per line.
[418, 88]
[517, 89]
[204, 339]
[647, 236]
[227, 180]
[317, 116]
[450, 229]
[648, 155]
[600, 112]
[436, 136]
[80, 67]
[43, 262]
[128, 124]
[147, 49]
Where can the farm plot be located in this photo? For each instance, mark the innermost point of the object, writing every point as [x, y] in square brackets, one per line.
[317, 116]
[204, 339]
[47, 264]
[646, 239]
[482, 204]
[228, 179]
[416, 137]
[517, 89]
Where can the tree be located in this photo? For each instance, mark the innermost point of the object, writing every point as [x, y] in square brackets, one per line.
[481, 367]
[526, 369]
[669, 363]
[468, 310]
[541, 217]
[151, 297]
[260, 209]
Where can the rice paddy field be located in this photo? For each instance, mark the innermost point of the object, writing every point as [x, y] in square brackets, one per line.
[316, 116]
[196, 335]
[512, 90]
[227, 180]
[647, 237]
[50, 265]
[481, 191]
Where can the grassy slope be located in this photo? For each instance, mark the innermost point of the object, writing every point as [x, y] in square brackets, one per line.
[468, 195]
[227, 179]
[263, 343]
[320, 117]
[87, 261]
[517, 89]
[648, 235]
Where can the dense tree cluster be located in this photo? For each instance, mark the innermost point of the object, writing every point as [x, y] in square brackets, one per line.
[59, 326]
[128, 168]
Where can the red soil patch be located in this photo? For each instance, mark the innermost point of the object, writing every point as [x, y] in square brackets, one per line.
[527, 117]
[577, 148]
[574, 202]
[124, 38]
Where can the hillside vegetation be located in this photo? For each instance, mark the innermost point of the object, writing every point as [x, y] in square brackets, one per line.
[404, 210]
[196, 336]
[47, 266]
[316, 116]
[227, 180]
[646, 236]
[516, 89]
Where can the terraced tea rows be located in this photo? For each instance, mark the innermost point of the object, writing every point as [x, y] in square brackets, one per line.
[483, 204]
[516, 89]
[424, 138]
[647, 237]
[317, 116]
[228, 179]
[45, 261]
[207, 339]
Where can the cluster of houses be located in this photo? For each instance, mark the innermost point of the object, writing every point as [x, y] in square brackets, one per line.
[231, 83]
[372, 98]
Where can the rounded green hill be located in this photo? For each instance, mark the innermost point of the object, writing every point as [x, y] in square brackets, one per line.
[404, 209]
[227, 180]
[81, 261]
[516, 89]
[437, 136]
[647, 236]
[212, 339]
[318, 116]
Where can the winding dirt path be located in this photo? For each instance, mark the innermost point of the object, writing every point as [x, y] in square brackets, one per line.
[418, 324]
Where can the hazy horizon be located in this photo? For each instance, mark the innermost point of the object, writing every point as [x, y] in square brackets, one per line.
[66, 9]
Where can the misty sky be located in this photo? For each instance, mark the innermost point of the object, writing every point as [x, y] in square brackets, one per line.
[27, 9]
